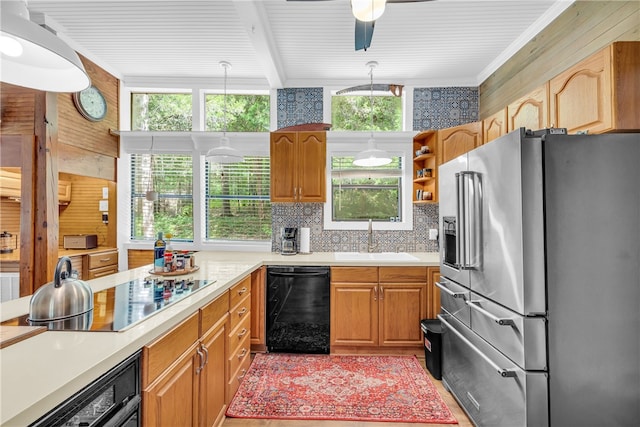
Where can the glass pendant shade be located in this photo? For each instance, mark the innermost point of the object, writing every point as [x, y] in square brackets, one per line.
[368, 10]
[34, 57]
[372, 156]
[224, 153]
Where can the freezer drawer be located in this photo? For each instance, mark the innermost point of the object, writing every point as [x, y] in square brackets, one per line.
[453, 298]
[522, 339]
[492, 390]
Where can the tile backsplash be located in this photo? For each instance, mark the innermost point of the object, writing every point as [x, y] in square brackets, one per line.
[310, 215]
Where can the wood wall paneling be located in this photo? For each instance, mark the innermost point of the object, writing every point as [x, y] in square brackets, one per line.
[74, 160]
[17, 110]
[581, 30]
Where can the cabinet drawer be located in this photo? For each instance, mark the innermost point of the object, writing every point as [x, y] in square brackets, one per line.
[102, 271]
[354, 274]
[236, 378]
[160, 354]
[403, 274]
[102, 259]
[239, 333]
[240, 311]
[211, 313]
[237, 357]
[239, 291]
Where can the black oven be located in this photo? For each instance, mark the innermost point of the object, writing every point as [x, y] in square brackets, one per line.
[111, 400]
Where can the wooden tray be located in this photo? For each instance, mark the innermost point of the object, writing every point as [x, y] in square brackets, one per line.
[175, 273]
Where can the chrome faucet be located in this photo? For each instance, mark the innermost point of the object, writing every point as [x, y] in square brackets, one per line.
[370, 245]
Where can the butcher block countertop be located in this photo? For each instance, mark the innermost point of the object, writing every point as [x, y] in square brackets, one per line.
[44, 370]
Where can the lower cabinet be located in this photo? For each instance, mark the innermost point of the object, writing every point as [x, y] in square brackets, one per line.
[258, 322]
[239, 337]
[377, 309]
[184, 372]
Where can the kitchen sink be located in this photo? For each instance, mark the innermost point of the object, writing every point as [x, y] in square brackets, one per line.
[374, 256]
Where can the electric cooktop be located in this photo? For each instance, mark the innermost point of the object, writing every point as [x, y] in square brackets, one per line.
[119, 307]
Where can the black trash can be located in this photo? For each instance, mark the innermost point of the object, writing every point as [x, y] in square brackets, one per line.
[432, 331]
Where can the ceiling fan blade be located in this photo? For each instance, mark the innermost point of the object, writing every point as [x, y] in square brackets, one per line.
[406, 1]
[364, 33]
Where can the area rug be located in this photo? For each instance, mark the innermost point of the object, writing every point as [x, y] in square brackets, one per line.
[348, 388]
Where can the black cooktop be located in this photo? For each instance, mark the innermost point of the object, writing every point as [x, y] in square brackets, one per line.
[119, 307]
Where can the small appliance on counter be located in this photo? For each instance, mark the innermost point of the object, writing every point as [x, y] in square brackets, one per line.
[8, 242]
[80, 241]
[289, 241]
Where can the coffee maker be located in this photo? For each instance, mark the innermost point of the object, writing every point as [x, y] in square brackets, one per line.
[289, 241]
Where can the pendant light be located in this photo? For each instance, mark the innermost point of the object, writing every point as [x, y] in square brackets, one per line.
[368, 10]
[224, 153]
[372, 156]
[34, 57]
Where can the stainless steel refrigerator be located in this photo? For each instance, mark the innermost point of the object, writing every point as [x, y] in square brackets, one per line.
[540, 279]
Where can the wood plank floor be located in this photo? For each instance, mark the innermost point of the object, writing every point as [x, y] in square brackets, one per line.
[458, 413]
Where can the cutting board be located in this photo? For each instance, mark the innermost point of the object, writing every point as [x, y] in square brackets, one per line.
[13, 334]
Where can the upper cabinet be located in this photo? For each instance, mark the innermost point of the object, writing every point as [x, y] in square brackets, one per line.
[494, 126]
[10, 186]
[599, 94]
[458, 140]
[298, 166]
[531, 111]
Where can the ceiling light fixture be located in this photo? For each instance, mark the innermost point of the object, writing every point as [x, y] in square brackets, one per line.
[368, 10]
[372, 156]
[35, 57]
[224, 153]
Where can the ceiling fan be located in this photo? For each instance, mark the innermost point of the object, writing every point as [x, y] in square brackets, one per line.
[366, 13]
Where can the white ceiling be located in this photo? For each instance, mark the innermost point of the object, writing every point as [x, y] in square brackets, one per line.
[279, 43]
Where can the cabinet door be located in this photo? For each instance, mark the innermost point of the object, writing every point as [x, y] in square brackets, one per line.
[354, 314]
[311, 165]
[494, 126]
[402, 306]
[283, 166]
[531, 111]
[458, 140]
[433, 292]
[580, 98]
[171, 399]
[258, 325]
[213, 377]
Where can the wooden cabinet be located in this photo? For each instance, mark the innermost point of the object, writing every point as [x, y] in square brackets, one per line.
[494, 126]
[239, 337]
[433, 292]
[458, 140]
[10, 186]
[184, 371]
[377, 309]
[258, 320]
[530, 111]
[100, 264]
[599, 94]
[425, 168]
[298, 166]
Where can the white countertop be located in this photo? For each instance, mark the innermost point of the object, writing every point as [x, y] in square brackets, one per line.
[41, 372]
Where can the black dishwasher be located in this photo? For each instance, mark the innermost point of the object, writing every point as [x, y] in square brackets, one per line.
[298, 309]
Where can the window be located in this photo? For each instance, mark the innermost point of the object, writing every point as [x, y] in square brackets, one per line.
[359, 194]
[245, 113]
[172, 177]
[161, 111]
[354, 113]
[238, 204]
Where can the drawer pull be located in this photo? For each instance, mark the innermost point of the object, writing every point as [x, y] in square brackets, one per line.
[242, 353]
[242, 333]
[244, 372]
[242, 312]
[242, 291]
[500, 321]
[105, 260]
[450, 292]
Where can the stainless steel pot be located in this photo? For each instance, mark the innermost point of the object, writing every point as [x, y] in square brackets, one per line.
[63, 302]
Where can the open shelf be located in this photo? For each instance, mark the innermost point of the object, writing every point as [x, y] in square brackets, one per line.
[425, 187]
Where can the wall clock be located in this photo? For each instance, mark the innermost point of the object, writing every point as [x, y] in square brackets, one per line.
[91, 104]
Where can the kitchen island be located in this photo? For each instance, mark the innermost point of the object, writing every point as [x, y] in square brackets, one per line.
[43, 371]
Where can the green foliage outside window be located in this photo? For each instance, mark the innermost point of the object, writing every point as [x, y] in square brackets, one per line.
[161, 112]
[354, 113]
[245, 113]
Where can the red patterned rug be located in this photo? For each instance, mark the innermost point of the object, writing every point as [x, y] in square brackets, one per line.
[348, 388]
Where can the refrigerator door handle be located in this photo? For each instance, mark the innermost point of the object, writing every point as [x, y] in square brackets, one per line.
[446, 290]
[461, 240]
[504, 372]
[475, 220]
[500, 321]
